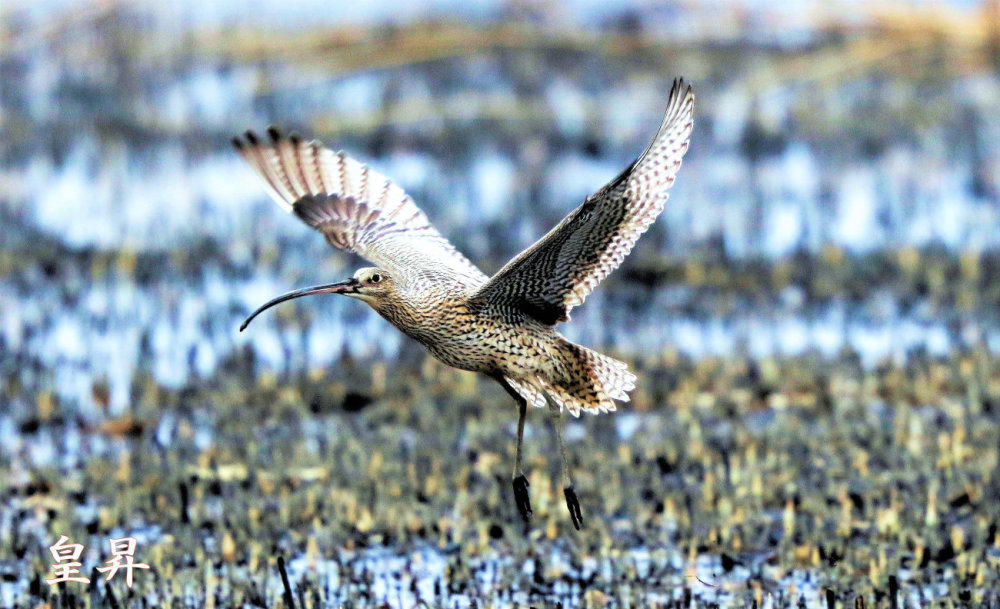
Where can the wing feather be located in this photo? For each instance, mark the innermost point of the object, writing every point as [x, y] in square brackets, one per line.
[354, 207]
[562, 268]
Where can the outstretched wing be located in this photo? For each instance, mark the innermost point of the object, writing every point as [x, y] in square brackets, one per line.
[356, 208]
[563, 267]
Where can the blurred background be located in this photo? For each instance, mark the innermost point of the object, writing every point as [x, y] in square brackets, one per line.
[840, 201]
[842, 182]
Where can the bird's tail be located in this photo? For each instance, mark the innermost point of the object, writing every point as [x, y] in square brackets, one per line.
[585, 380]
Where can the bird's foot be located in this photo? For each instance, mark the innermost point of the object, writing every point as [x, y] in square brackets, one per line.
[521, 497]
[574, 507]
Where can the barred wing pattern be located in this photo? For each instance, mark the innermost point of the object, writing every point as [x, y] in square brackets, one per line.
[563, 267]
[356, 208]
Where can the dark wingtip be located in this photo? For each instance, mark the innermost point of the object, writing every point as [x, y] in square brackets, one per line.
[274, 134]
[295, 138]
[251, 137]
[679, 84]
[237, 143]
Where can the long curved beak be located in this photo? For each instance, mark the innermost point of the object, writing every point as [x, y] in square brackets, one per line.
[343, 287]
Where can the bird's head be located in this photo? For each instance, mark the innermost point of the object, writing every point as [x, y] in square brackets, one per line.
[370, 284]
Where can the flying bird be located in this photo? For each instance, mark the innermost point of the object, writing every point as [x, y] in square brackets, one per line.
[501, 326]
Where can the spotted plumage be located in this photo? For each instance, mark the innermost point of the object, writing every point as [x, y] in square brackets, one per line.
[500, 326]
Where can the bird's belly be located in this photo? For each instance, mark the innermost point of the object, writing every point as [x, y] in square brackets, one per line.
[513, 352]
[463, 358]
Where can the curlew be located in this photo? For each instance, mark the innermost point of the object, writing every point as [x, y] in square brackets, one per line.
[500, 326]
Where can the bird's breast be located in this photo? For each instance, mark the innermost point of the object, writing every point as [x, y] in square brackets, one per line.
[469, 338]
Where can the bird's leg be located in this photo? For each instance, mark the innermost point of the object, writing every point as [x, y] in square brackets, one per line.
[520, 482]
[572, 503]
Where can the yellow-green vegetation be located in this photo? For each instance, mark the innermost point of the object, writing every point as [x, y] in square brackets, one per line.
[727, 481]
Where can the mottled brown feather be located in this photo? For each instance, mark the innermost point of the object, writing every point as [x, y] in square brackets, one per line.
[558, 272]
[356, 208]
[501, 327]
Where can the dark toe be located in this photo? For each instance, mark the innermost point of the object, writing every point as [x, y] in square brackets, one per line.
[574, 507]
[521, 497]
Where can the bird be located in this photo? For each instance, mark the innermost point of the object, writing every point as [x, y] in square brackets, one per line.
[501, 326]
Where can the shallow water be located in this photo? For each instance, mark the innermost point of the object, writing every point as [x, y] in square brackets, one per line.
[813, 318]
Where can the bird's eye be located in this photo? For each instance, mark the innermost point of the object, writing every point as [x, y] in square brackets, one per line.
[376, 278]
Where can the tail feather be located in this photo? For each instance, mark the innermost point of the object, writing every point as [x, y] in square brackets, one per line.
[528, 391]
[587, 381]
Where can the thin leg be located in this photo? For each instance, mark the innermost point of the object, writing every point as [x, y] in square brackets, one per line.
[572, 503]
[521, 497]
[520, 482]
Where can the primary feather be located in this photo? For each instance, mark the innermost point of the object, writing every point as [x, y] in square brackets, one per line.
[356, 208]
[558, 272]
